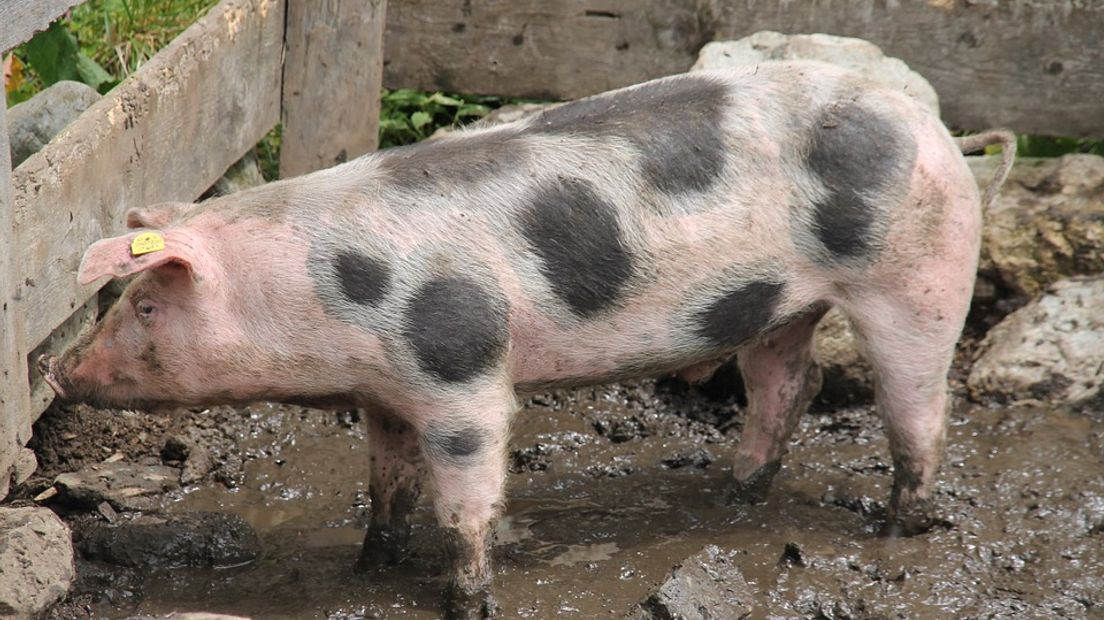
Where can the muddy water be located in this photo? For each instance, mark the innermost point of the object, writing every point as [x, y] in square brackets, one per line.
[611, 487]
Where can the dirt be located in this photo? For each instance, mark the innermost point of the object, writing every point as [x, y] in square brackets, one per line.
[610, 487]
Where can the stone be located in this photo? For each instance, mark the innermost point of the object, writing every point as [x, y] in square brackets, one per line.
[706, 586]
[848, 378]
[189, 616]
[1046, 224]
[196, 461]
[126, 486]
[858, 55]
[25, 465]
[36, 121]
[1050, 350]
[36, 561]
[197, 539]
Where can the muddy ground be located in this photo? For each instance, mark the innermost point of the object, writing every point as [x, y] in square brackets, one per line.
[609, 488]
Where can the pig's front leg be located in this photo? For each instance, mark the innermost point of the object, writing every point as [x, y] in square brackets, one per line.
[465, 448]
[397, 471]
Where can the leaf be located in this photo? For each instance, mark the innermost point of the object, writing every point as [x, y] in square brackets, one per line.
[54, 55]
[420, 119]
[472, 109]
[94, 75]
[13, 73]
[445, 100]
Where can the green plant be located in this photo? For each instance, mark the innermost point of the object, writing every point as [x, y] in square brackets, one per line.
[1047, 146]
[100, 43]
[408, 116]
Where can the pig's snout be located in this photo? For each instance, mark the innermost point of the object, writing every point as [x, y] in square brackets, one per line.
[47, 365]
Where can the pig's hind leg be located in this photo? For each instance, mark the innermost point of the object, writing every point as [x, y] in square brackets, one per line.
[909, 338]
[781, 377]
[397, 471]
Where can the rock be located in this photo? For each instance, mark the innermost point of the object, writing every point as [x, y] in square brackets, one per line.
[848, 378]
[36, 561]
[1046, 224]
[125, 486]
[1051, 349]
[245, 173]
[196, 461]
[203, 539]
[34, 122]
[189, 616]
[705, 586]
[858, 55]
[25, 465]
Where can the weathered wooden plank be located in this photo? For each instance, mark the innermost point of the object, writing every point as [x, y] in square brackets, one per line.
[332, 76]
[15, 414]
[166, 133]
[1034, 66]
[21, 19]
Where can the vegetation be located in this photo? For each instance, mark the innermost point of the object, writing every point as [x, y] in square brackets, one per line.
[99, 43]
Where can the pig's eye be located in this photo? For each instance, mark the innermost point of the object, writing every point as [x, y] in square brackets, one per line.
[145, 310]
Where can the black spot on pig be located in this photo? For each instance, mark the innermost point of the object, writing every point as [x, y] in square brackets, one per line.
[674, 124]
[741, 314]
[453, 160]
[452, 445]
[576, 235]
[363, 279]
[861, 158]
[457, 328]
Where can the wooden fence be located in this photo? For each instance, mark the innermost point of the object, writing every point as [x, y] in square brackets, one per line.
[166, 133]
[171, 129]
[1036, 66]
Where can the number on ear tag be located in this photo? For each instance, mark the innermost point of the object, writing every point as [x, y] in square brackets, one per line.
[147, 242]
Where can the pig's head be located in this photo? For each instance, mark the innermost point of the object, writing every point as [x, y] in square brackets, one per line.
[143, 352]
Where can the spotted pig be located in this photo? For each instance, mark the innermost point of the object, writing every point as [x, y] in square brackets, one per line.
[657, 228]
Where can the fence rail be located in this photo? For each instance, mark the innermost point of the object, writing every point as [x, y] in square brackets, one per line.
[167, 133]
[23, 18]
[1035, 66]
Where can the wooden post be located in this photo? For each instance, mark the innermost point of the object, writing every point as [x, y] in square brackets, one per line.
[333, 69]
[14, 388]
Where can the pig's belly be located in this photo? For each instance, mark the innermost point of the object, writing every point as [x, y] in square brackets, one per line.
[627, 345]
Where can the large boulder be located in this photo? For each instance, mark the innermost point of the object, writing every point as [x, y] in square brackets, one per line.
[858, 55]
[36, 561]
[1046, 224]
[848, 378]
[36, 121]
[1051, 349]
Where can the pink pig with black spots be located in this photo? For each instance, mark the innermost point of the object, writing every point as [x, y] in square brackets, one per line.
[653, 229]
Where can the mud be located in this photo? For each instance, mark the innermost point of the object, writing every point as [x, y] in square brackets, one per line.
[611, 487]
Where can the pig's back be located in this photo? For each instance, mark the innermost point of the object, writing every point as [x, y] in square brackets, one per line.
[642, 229]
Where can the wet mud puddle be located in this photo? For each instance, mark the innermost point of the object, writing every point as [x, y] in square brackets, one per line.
[609, 488]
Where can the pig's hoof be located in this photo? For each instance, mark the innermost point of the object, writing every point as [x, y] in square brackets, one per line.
[915, 520]
[467, 603]
[755, 488]
[383, 546]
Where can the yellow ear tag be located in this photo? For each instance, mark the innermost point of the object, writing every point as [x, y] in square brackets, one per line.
[147, 242]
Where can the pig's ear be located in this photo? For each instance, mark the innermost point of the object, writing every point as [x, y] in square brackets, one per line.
[156, 216]
[129, 254]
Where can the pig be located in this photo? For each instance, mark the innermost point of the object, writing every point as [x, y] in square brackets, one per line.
[648, 230]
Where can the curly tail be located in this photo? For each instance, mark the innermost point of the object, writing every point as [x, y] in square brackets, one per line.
[976, 142]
